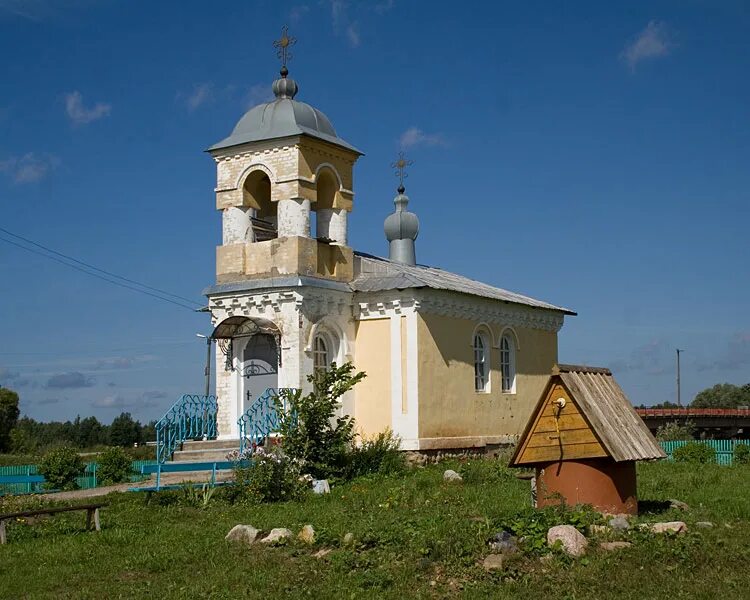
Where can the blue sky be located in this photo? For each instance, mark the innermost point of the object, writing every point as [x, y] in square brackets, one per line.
[594, 155]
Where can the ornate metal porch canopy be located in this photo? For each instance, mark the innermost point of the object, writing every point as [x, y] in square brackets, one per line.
[241, 326]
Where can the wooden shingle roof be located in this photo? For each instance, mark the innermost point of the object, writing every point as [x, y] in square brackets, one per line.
[603, 404]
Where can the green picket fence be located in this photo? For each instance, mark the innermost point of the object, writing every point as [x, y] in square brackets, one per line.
[724, 448]
[87, 481]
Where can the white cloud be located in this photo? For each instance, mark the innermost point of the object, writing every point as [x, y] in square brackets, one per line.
[297, 12]
[734, 356]
[352, 34]
[416, 137]
[652, 42]
[384, 7]
[116, 363]
[257, 94]
[42, 10]
[201, 94]
[342, 24]
[30, 167]
[652, 358]
[72, 380]
[81, 115]
[120, 402]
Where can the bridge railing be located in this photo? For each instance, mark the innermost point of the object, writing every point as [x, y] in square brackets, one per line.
[693, 412]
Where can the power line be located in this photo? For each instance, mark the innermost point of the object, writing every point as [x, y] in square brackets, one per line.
[113, 282]
[89, 266]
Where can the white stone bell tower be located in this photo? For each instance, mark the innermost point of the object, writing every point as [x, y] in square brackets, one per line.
[274, 276]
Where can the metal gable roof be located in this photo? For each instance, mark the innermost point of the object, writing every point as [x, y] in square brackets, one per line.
[375, 274]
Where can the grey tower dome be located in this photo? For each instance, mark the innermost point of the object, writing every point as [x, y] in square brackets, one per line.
[401, 230]
[283, 117]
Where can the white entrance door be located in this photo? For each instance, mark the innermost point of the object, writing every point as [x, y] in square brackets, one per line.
[259, 368]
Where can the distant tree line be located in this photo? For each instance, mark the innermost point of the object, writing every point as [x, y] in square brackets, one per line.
[722, 395]
[24, 435]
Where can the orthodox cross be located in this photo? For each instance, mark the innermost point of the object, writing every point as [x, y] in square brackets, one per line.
[400, 166]
[283, 45]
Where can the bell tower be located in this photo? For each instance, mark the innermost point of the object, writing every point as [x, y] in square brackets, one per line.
[282, 161]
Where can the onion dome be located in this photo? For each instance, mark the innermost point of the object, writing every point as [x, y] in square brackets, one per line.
[401, 230]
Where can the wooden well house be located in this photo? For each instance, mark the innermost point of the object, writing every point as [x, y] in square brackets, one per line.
[583, 438]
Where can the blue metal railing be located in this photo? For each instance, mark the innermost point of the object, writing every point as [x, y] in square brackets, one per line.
[724, 449]
[190, 418]
[26, 478]
[261, 419]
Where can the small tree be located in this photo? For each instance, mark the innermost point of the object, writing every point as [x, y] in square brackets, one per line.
[673, 431]
[114, 466]
[60, 468]
[312, 433]
[8, 416]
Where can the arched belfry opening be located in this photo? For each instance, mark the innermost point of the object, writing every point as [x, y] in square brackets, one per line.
[256, 195]
[330, 219]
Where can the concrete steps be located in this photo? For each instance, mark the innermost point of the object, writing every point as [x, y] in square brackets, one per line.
[205, 451]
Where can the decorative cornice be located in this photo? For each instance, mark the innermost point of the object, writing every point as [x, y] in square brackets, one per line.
[379, 305]
[318, 302]
[265, 304]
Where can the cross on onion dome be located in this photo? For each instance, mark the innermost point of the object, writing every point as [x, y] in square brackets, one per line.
[283, 44]
[400, 166]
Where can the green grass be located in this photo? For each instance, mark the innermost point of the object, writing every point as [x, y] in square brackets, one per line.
[416, 537]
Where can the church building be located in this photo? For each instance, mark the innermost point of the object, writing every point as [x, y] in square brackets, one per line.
[451, 363]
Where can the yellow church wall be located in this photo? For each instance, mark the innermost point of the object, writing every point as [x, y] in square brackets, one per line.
[314, 153]
[283, 256]
[450, 408]
[372, 404]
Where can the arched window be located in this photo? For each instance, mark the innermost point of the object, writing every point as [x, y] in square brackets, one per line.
[321, 353]
[481, 372]
[508, 364]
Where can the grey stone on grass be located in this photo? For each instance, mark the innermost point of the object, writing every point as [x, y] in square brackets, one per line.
[277, 535]
[493, 562]
[619, 523]
[573, 541]
[307, 534]
[611, 546]
[669, 527]
[245, 534]
[451, 475]
[320, 486]
[504, 542]
[678, 504]
[704, 524]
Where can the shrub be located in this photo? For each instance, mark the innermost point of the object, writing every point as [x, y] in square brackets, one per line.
[60, 468]
[694, 452]
[113, 466]
[272, 476]
[379, 454]
[741, 454]
[674, 431]
[311, 432]
[531, 525]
